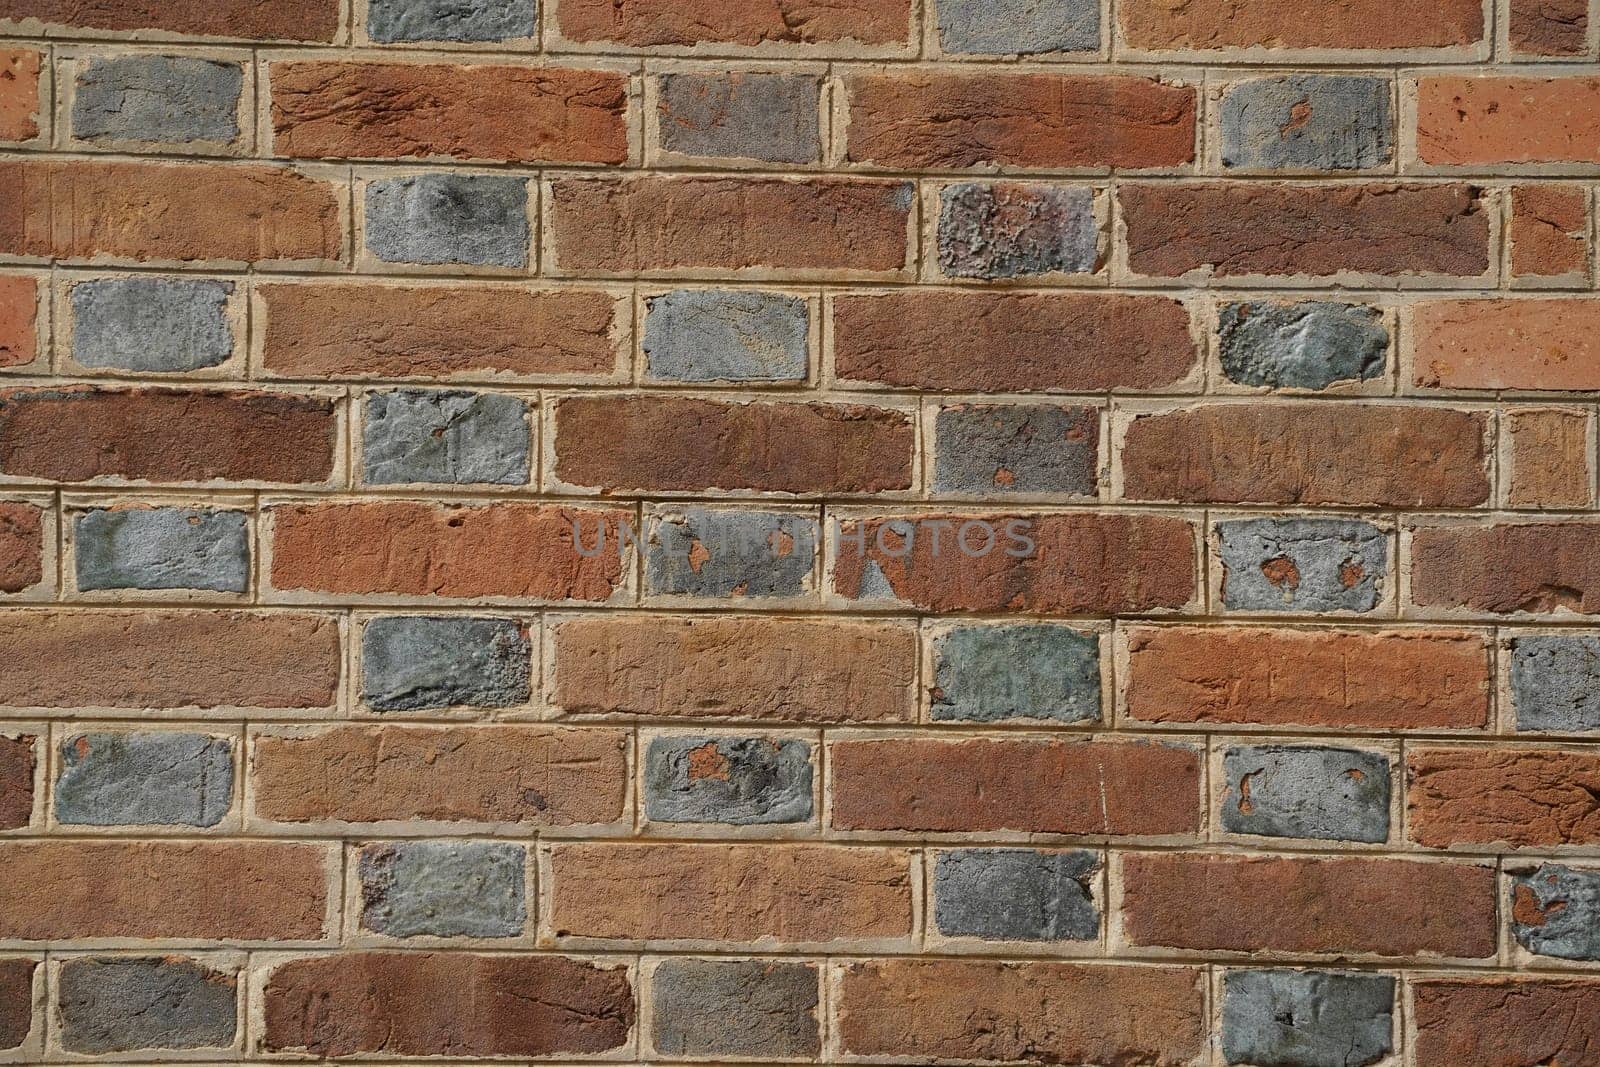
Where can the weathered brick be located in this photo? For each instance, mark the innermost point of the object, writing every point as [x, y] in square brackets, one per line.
[1070, 564]
[396, 21]
[1309, 344]
[1520, 797]
[1542, 344]
[1328, 794]
[1307, 122]
[21, 546]
[1307, 1018]
[142, 547]
[1302, 564]
[417, 549]
[154, 325]
[451, 437]
[1103, 787]
[1555, 682]
[729, 226]
[1545, 458]
[20, 99]
[622, 444]
[19, 313]
[687, 23]
[1060, 1012]
[64, 890]
[743, 781]
[1463, 121]
[446, 1003]
[770, 117]
[765, 1008]
[470, 219]
[788, 670]
[92, 210]
[16, 1001]
[124, 1003]
[89, 433]
[1013, 342]
[1026, 121]
[1550, 232]
[1309, 453]
[987, 673]
[729, 893]
[1355, 679]
[539, 776]
[1011, 229]
[18, 760]
[1508, 567]
[443, 888]
[420, 663]
[65, 658]
[373, 110]
[1478, 1022]
[1334, 904]
[726, 335]
[1206, 25]
[1555, 911]
[997, 449]
[365, 330]
[716, 553]
[1017, 894]
[1549, 27]
[1018, 27]
[288, 20]
[174, 100]
[144, 779]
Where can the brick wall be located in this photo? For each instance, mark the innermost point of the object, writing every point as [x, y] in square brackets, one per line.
[1242, 353]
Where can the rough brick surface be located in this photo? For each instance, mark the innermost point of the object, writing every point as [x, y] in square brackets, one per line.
[1462, 1021]
[1514, 796]
[713, 553]
[1547, 464]
[1010, 230]
[1025, 449]
[1550, 232]
[413, 663]
[453, 437]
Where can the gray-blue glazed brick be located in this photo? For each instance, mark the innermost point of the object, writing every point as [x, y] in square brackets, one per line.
[158, 325]
[1012, 229]
[430, 219]
[1018, 27]
[1312, 344]
[1566, 901]
[461, 21]
[712, 553]
[742, 781]
[1016, 894]
[144, 779]
[712, 335]
[162, 548]
[1555, 682]
[1016, 671]
[995, 449]
[165, 99]
[1288, 1018]
[445, 436]
[770, 117]
[414, 663]
[1303, 565]
[1321, 122]
[1328, 794]
[123, 1004]
[747, 1008]
[444, 889]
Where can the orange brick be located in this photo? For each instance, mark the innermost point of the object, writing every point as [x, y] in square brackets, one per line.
[687, 23]
[1545, 457]
[19, 309]
[20, 106]
[1550, 231]
[1478, 120]
[1345, 24]
[1520, 797]
[1544, 344]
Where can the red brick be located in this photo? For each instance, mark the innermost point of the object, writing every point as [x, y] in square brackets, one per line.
[1352, 679]
[1506, 568]
[1494, 1022]
[250, 20]
[20, 104]
[446, 1004]
[165, 660]
[687, 23]
[17, 763]
[788, 670]
[19, 310]
[1309, 453]
[145, 890]
[1039, 1011]
[246, 213]
[413, 548]
[1342, 24]
[1543, 344]
[1079, 563]
[1549, 231]
[1027, 786]
[729, 893]
[1520, 797]
[340, 110]
[669, 224]
[672, 443]
[530, 775]
[1545, 458]
[16, 1001]
[949, 120]
[367, 330]
[21, 546]
[1248, 228]
[1382, 907]
[1013, 342]
[1463, 121]
[1550, 27]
